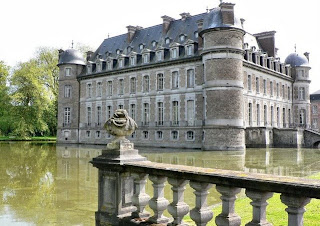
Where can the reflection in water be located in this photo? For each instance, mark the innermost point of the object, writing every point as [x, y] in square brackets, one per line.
[41, 184]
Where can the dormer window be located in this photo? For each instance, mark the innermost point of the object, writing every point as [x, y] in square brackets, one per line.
[167, 40]
[189, 50]
[196, 34]
[68, 71]
[145, 58]
[153, 43]
[182, 38]
[129, 49]
[159, 55]
[120, 63]
[89, 68]
[109, 65]
[174, 53]
[118, 51]
[132, 61]
[141, 46]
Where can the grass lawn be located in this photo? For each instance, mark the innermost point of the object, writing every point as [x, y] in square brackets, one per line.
[27, 139]
[276, 213]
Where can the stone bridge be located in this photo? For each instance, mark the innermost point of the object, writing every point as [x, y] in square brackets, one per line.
[311, 139]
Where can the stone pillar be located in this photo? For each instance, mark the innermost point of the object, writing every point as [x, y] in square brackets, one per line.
[228, 197]
[178, 208]
[201, 214]
[259, 205]
[115, 189]
[222, 57]
[295, 208]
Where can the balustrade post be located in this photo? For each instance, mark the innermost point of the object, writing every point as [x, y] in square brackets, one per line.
[228, 197]
[178, 208]
[259, 205]
[201, 214]
[295, 208]
[158, 203]
[140, 198]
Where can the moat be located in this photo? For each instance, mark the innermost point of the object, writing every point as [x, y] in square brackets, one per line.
[45, 184]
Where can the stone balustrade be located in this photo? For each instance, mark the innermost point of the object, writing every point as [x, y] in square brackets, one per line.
[295, 194]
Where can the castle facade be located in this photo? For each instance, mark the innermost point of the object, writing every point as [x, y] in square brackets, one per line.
[196, 82]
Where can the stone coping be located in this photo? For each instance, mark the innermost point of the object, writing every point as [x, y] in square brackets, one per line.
[293, 186]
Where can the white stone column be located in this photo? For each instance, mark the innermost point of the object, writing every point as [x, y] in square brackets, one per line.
[295, 208]
[201, 214]
[158, 203]
[140, 198]
[228, 197]
[178, 208]
[259, 205]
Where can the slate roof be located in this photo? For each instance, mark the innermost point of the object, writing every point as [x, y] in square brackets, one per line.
[296, 60]
[315, 96]
[71, 56]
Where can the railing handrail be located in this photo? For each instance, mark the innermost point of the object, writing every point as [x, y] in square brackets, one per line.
[257, 181]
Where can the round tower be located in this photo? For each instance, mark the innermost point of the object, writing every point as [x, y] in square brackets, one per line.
[301, 97]
[71, 64]
[222, 57]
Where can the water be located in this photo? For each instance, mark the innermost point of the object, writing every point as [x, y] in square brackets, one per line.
[41, 184]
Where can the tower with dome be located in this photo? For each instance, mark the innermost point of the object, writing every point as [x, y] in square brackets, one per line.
[200, 81]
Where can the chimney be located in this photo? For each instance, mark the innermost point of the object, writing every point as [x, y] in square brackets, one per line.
[200, 40]
[131, 31]
[227, 11]
[166, 23]
[307, 55]
[184, 16]
[89, 54]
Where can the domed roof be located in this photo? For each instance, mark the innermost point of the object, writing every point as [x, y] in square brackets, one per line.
[296, 60]
[71, 56]
[214, 20]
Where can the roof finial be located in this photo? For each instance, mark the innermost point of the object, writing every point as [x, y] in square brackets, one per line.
[72, 44]
[108, 35]
[295, 48]
[207, 9]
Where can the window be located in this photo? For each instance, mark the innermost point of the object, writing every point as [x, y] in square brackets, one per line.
[271, 112]
[88, 134]
[89, 90]
[264, 86]
[249, 82]
[145, 58]
[271, 89]
[118, 51]
[289, 117]
[133, 111]
[160, 81]
[190, 112]
[159, 56]
[278, 91]
[282, 91]
[175, 113]
[98, 134]
[315, 123]
[109, 112]
[145, 134]
[146, 83]
[196, 34]
[174, 53]
[132, 61]
[160, 113]
[109, 89]
[189, 50]
[68, 71]
[190, 78]
[167, 40]
[89, 116]
[67, 91]
[175, 80]
[265, 115]
[182, 38]
[257, 85]
[120, 106]
[145, 117]
[132, 85]
[174, 135]
[278, 116]
[99, 89]
[153, 43]
[283, 117]
[302, 117]
[67, 116]
[120, 63]
[99, 114]
[314, 109]
[159, 135]
[133, 135]
[258, 114]
[289, 93]
[141, 46]
[190, 135]
[121, 87]
[250, 113]
[301, 93]
[109, 65]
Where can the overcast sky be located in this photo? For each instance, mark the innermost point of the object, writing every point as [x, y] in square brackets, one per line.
[26, 25]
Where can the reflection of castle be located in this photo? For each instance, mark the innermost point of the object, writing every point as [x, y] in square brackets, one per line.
[77, 183]
[195, 82]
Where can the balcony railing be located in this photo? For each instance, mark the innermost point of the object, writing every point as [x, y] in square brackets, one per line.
[122, 196]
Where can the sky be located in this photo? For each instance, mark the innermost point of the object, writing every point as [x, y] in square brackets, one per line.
[26, 25]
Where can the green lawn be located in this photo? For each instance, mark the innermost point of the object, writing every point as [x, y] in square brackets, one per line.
[276, 213]
[2, 138]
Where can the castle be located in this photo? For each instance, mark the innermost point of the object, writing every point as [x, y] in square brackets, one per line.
[200, 81]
